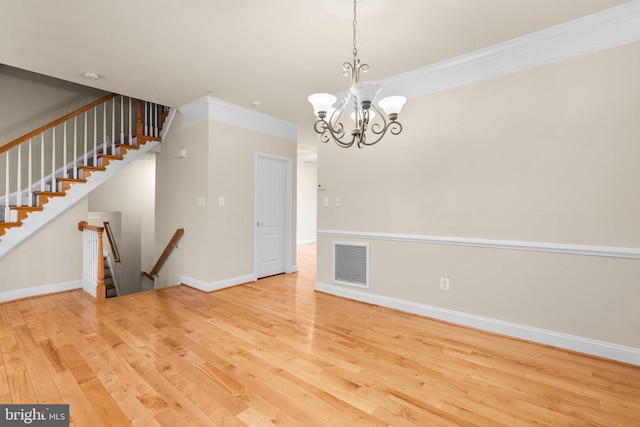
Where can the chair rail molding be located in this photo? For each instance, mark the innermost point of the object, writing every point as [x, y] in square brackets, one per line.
[562, 248]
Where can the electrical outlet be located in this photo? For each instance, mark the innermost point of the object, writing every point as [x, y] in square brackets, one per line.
[444, 283]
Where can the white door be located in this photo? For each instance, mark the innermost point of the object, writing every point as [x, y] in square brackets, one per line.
[271, 185]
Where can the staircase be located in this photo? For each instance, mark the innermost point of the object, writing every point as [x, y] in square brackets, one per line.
[110, 281]
[51, 169]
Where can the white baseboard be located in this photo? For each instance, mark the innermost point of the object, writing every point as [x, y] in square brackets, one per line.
[214, 286]
[557, 339]
[306, 242]
[39, 290]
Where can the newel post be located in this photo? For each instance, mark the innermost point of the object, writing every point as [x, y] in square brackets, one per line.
[101, 290]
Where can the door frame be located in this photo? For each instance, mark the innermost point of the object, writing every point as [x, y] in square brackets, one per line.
[289, 267]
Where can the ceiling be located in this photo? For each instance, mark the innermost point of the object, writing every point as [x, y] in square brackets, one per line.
[273, 51]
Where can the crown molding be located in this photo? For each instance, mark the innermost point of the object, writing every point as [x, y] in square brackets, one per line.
[610, 28]
[209, 108]
[607, 29]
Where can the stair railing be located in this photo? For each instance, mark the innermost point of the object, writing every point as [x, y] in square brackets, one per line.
[93, 261]
[173, 243]
[112, 241]
[52, 157]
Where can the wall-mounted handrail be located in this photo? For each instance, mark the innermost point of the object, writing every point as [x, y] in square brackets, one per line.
[93, 261]
[112, 241]
[55, 123]
[173, 243]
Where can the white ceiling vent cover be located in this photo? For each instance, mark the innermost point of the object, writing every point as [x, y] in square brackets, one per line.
[351, 264]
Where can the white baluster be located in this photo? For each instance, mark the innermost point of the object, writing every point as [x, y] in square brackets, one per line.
[65, 173]
[90, 252]
[84, 259]
[7, 211]
[92, 263]
[122, 141]
[87, 262]
[42, 180]
[29, 178]
[94, 259]
[19, 178]
[130, 123]
[54, 187]
[145, 119]
[84, 147]
[95, 136]
[104, 129]
[113, 125]
[75, 147]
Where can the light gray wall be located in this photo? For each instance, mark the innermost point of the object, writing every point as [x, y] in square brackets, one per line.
[30, 100]
[218, 243]
[52, 256]
[546, 155]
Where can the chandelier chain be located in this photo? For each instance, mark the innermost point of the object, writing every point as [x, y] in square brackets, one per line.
[355, 49]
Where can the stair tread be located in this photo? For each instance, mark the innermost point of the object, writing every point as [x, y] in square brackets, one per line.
[26, 208]
[111, 156]
[71, 179]
[5, 225]
[94, 168]
[48, 193]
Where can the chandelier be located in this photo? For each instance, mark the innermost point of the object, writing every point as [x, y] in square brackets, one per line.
[369, 123]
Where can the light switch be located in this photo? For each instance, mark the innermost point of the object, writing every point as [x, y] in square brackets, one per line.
[200, 201]
[325, 201]
[338, 201]
[220, 200]
[182, 153]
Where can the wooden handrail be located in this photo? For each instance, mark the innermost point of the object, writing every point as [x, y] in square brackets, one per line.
[112, 241]
[55, 123]
[84, 225]
[165, 254]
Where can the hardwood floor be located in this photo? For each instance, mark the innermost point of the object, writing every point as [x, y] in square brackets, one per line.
[275, 352]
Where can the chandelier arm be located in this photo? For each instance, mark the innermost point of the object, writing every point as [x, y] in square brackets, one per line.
[335, 133]
[392, 127]
[377, 128]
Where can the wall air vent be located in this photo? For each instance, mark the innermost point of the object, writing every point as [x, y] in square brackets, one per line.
[351, 264]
